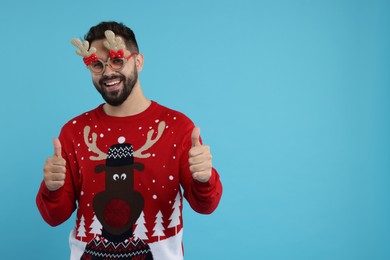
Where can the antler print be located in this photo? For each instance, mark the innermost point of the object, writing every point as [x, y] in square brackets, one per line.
[92, 145]
[149, 141]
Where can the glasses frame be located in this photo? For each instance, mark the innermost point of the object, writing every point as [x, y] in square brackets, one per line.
[107, 63]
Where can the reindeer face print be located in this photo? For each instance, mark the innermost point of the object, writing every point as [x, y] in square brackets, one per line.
[119, 206]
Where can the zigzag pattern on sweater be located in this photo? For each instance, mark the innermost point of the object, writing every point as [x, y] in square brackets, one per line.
[106, 249]
[117, 254]
[121, 152]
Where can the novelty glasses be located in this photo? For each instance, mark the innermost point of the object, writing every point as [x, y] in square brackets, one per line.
[97, 66]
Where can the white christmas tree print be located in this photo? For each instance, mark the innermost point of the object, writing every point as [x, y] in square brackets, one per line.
[175, 217]
[140, 230]
[159, 228]
[96, 226]
[81, 229]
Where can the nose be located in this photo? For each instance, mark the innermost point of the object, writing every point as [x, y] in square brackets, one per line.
[108, 70]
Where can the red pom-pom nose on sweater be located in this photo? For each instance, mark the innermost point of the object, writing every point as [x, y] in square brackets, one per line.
[117, 213]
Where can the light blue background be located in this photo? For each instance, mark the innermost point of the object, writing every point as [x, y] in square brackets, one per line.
[292, 96]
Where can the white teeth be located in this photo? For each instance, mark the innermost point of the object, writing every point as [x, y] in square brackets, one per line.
[112, 83]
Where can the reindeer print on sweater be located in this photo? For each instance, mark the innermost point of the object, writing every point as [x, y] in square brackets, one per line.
[127, 177]
[119, 206]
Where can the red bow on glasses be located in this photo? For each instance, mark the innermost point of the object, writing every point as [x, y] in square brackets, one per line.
[116, 54]
[91, 58]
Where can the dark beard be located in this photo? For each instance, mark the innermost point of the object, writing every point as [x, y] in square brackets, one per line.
[116, 98]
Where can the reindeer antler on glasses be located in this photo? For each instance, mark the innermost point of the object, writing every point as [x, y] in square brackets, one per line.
[84, 51]
[114, 44]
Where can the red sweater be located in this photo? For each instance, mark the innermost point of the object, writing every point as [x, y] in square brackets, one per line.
[86, 142]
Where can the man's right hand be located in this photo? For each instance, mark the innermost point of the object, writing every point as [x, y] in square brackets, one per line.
[55, 168]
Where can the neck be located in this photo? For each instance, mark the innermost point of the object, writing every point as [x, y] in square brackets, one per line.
[133, 105]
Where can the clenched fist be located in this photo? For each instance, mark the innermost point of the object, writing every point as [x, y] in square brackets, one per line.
[200, 158]
[55, 168]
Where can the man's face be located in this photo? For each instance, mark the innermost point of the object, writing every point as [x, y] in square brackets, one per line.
[115, 87]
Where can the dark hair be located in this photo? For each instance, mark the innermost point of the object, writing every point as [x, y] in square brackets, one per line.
[97, 32]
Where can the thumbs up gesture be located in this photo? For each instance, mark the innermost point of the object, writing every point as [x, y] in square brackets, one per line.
[55, 168]
[200, 158]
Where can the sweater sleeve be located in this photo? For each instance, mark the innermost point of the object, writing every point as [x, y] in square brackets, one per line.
[203, 197]
[57, 206]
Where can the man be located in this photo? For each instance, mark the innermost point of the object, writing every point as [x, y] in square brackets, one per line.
[124, 164]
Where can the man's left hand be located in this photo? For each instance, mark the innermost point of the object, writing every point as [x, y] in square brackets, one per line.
[200, 158]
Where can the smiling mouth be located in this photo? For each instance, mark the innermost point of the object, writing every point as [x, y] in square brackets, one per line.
[112, 84]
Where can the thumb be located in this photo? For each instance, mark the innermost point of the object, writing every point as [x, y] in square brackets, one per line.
[57, 147]
[195, 136]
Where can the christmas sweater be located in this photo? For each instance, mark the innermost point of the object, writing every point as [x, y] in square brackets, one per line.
[127, 176]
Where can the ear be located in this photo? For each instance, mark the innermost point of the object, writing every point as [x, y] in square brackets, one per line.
[100, 168]
[139, 166]
[139, 61]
